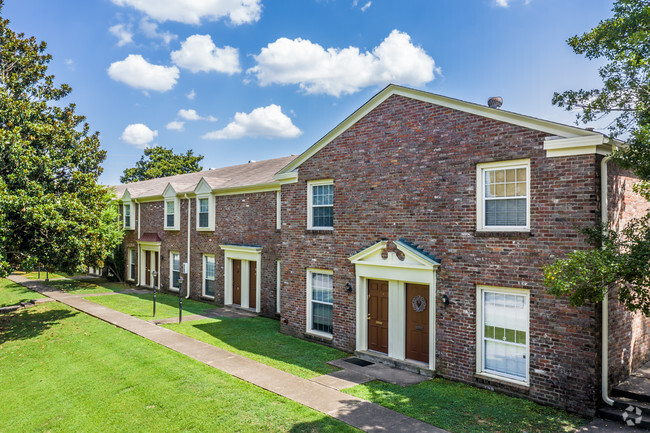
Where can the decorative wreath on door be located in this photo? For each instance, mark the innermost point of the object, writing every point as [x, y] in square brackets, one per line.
[419, 304]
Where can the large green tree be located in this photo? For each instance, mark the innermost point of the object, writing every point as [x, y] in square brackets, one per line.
[161, 162]
[619, 259]
[52, 210]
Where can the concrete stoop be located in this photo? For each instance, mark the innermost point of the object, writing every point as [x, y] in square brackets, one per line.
[631, 400]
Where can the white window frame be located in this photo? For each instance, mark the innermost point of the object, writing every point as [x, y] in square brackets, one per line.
[309, 330]
[176, 225]
[131, 255]
[171, 270]
[480, 194]
[131, 225]
[203, 272]
[480, 361]
[210, 198]
[310, 211]
[278, 210]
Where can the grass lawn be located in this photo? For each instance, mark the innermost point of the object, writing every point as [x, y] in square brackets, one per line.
[141, 306]
[461, 408]
[87, 286]
[64, 371]
[53, 275]
[259, 339]
[13, 294]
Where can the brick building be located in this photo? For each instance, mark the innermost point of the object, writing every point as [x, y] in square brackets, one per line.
[414, 233]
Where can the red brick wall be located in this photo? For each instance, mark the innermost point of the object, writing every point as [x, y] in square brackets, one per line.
[244, 219]
[629, 333]
[408, 170]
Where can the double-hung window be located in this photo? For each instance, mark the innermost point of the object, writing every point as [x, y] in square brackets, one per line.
[170, 213]
[503, 333]
[208, 275]
[132, 264]
[320, 301]
[127, 216]
[503, 199]
[175, 274]
[204, 212]
[320, 196]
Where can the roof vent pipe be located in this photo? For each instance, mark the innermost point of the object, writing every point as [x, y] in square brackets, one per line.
[495, 102]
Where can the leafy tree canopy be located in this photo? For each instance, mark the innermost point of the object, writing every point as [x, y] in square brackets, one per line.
[52, 211]
[161, 162]
[623, 259]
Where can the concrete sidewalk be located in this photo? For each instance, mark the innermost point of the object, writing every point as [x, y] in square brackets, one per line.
[354, 411]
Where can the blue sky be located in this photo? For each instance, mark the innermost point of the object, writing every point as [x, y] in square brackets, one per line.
[236, 80]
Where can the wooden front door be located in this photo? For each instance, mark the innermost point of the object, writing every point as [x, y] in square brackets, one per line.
[236, 282]
[252, 284]
[147, 268]
[378, 316]
[417, 322]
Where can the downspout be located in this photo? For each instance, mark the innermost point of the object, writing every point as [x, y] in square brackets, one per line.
[137, 279]
[605, 304]
[189, 220]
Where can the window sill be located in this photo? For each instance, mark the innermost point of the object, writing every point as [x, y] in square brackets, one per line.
[524, 386]
[174, 229]
[204, 229]
[211, 298]
[523, 234]
[320, 335]
[321, 231]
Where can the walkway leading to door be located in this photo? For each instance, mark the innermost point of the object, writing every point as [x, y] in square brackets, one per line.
[354, 411]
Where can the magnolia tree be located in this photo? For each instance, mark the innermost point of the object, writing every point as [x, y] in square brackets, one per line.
[161, 162]
[619, 259]
[52, 210]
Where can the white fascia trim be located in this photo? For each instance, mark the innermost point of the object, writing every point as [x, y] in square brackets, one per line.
[262, 187]
[287, 178]
[361, 255]
[480, 191]
[443, 101]
[251, 253]
[589, 145]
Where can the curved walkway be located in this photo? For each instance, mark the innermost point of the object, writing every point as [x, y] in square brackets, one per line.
[354, 411]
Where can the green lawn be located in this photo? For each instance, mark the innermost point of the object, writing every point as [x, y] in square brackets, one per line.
[52, 276]
[461, 408]
[141, 305]
[87, 286]
[65, 371]
[13, 294]
[259, 339]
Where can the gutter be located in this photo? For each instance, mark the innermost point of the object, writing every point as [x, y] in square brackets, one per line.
[605, 303]
[189, 215]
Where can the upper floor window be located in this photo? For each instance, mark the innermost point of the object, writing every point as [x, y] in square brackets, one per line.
[320, 206]
[503, 195]
[204, 212]
[169, 213]
[128, 218]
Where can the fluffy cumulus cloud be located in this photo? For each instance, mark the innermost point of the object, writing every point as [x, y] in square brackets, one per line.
[150, 29]
[262, 122]
[193, 11]
[199, 54]
[191, 114]
[123, 34]
[136, 72]
[176, 125]
[138, 135]
[343, 71]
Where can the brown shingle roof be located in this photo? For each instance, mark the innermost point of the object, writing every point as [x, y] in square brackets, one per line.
[253, 173]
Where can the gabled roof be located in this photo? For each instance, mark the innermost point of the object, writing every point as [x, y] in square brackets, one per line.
[557, 130]
[226, 178]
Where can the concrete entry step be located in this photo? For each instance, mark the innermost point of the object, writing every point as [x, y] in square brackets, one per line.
[376, 371]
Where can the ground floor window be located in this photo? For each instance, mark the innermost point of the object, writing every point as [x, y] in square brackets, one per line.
[132, 264]
[208, 275]
[503, 329]
[320, 297]
[175, 274]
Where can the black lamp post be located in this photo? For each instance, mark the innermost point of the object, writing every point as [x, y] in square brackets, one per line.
[180, 299]
[154, 274]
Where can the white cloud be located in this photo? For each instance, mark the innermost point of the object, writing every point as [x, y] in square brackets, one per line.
[150, 29]
[176, 125]
[502, 3]
[123, 33]
[366, 6]
[193, 11]
[191, 95]
[343, 71]
[262, 122]
[138, 135]
[199, 54]
[136, 72]
[191, 114]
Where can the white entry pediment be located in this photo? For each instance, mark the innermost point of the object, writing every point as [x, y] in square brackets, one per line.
[396, 254]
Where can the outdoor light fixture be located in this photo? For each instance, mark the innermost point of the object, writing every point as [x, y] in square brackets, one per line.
[445, 301]
[154, 274]
[348, 287]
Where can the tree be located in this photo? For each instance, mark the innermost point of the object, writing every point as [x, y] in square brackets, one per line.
[52, 211]
[161, 162]
[619, 259]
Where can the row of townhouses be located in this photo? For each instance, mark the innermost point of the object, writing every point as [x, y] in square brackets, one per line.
[413, 233]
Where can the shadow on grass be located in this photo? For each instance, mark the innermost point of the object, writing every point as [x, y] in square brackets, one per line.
[86, 285]
[15, 294]
[261, 336]
[29, 323]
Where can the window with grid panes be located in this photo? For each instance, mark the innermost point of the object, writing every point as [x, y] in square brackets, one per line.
[204, 212]
[322, 205]
[208, 276]
[127, 216]
[169, 214]
[321, 302]
[505, 196]
[176, 269]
